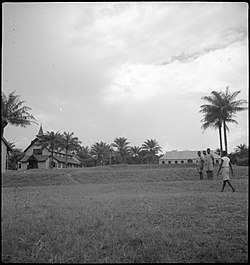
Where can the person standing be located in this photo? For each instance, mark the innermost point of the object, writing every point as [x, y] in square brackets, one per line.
[200, 164]
[224, 168]
[205, 160]
[210, 164]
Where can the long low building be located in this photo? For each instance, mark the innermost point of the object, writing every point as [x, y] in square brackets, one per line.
[184, 157]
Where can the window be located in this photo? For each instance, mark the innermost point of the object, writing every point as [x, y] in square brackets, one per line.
[163, 162]
[190, 161]
[169, 162]
[217, 161]
[182, 162]
[37, 151]
[176, 162]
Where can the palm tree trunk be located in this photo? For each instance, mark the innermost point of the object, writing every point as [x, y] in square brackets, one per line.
[220, 140]
[66, 159]
[225, 135]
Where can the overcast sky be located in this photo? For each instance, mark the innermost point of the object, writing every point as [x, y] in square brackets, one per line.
[125, 69]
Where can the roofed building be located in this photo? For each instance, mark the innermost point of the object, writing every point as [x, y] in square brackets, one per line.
[184, 157]
[36, 157]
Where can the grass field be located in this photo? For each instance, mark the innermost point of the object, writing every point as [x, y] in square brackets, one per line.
[123, 214]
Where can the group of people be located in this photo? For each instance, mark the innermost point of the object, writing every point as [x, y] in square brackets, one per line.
[206, 163]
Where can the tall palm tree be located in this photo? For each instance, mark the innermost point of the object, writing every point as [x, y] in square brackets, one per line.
[70, 143]
[220, 111]
[212, 116]
[122, 146]
[14, 113]
[53, 142]
[152, 147]
[230, 108]
[101, 152]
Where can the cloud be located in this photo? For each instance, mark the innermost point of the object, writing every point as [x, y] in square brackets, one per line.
[135, 83]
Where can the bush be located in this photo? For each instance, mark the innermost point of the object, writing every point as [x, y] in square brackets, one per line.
[242, 161]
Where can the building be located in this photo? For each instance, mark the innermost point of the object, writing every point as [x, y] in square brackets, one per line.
[36, 157]
[184, 157]
[6, 148]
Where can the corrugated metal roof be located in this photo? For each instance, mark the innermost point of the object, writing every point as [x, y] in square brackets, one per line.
[69, 160]
[184, 155]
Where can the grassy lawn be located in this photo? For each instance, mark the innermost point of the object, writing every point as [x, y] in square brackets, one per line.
[123, 214]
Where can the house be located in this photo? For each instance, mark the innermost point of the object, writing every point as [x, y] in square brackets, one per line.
[36, 157]
[6, 148]
[184, 157]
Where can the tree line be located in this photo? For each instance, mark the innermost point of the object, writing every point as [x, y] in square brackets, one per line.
[221, 109]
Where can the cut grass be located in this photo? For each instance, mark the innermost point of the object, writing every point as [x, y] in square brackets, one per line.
[123, 215]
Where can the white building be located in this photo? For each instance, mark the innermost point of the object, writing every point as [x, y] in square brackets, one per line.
[184, 157]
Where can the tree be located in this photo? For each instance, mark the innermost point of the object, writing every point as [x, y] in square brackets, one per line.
[53, 142]
[14, 113]
[83, 154]
[229, 109]
[135, 152]
[242, 150]
[14, 157]
[101, 152]
[212, 116]
[221, 110]
[122, 146]
[152, 147]
[70, 143]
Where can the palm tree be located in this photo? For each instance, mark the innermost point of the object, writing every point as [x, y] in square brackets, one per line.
[230, 108]
[241, 150]
[135, 152]
[122, 146]
[70, 143]
[14, 113]
[53, 142]
[152, 147]
[220, 111]
[101, 152]
[212, 113]
[83, 154]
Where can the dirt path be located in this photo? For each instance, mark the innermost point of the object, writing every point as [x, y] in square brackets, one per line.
[70, 177]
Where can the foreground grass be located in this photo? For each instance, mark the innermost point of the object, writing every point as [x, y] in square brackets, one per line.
[123, 214]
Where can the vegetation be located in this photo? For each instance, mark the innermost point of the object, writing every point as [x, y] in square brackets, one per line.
[14, 157]
[221, 110]
[152, 148]
[123, 214]
[14, 113]
[122, 147]
[240, 156]
[54, 142]
[69, 143]
[101, 153]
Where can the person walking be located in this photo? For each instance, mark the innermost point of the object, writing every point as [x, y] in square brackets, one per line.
[224, 168]
[200, 164]
[210, 164]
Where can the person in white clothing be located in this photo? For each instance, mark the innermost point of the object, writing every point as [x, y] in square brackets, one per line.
[210, 164]
[224, 168]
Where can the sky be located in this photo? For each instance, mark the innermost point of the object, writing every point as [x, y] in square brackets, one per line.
[137, 70]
